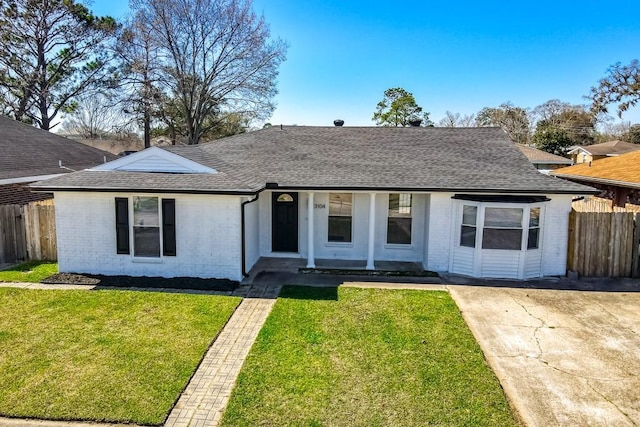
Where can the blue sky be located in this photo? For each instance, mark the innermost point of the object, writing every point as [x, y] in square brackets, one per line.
[458, 56]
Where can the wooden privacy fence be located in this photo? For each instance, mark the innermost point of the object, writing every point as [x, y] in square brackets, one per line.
[28, 232]
[604, 244]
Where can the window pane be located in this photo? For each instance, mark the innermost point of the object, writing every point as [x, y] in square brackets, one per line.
[534, 217]
[468, 236]
[340, 204]
[146, 241]
[340, 229]
[284, 198]
[500, 238]
[534, 234]
[145, 211]
[469, 215]
[400, 205]
[399, 231]
[503, 217]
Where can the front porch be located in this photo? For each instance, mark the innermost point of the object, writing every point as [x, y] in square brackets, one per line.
[292, 271]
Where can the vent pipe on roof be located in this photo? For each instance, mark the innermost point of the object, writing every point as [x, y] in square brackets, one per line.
[338, 122]
[415, 123]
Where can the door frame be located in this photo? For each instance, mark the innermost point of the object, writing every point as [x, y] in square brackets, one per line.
[274, 227]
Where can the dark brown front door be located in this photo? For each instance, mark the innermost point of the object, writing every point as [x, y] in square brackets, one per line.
[284, 235]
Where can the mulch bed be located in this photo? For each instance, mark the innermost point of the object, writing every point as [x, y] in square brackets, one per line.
[142, 282]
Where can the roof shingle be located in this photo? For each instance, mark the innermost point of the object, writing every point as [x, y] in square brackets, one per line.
[28, 151]
[303, 157]
[623, 169]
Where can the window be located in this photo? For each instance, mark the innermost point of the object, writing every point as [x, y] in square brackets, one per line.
[534, 228]
[468, 229]
[502, 228]
[146, 226]
[399, 219]
[340, 217]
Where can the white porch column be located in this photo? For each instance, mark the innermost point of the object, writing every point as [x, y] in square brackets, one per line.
[311, 262]
[372, 229]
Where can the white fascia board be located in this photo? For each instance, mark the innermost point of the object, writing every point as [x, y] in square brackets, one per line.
[28, 179]
[127, 163]
[579, 149]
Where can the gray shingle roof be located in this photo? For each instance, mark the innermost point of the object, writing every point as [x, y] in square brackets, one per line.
[427, 159]
[28, 151]
[538, 156]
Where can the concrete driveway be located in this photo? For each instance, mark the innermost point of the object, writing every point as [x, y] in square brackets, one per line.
[564, 357]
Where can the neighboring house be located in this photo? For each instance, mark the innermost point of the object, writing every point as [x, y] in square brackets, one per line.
[618, 178]
[28, 154]
[589, 153]
[543, 161]
[463, 200]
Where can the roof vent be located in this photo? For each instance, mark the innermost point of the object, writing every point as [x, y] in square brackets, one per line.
[338, 122]
[415, 123]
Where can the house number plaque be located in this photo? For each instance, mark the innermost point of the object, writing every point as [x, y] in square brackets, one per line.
[319, 205]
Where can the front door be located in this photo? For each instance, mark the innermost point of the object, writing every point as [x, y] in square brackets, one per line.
[284, 235]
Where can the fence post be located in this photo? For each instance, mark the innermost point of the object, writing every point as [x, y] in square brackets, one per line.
[635, 256]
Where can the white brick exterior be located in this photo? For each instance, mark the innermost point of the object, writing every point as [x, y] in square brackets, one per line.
[207, 237]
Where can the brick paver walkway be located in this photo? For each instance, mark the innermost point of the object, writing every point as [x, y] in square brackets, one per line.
[206, 396]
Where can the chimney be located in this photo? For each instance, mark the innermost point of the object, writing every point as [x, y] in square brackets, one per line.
[415, 123]
[338, 122]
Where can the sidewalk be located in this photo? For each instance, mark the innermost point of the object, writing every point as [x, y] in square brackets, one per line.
[205, 398]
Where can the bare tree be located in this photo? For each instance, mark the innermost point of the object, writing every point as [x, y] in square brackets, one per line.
[218, 58]
[450, 120]
[513, 120]
[51, 51]
[454, 120]
[140, 73]
[96, 117]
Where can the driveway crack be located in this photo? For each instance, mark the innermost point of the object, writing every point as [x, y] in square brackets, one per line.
[612, 403]
[537, 328]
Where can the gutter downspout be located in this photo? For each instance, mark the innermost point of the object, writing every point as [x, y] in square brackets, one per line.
[243, 233]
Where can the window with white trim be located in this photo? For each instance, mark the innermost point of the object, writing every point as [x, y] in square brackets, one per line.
[534, 228]
[146, 227]
[502, 228]
[153, 226]
[340, 217]
[468, 227]
[399, 219]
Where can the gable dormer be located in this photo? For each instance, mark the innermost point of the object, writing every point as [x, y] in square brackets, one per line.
[155, 159]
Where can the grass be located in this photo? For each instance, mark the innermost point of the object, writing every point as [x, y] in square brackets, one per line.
[32, 272]
[116, 356]
[366, 357]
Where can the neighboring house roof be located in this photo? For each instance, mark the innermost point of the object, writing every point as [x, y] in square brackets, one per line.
[333, 158]
[622, 171]
[20, 194]
[609, 148]
[30, 152]
[538, 156]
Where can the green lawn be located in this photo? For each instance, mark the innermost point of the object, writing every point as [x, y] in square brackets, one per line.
[102, 355]
[366, 357]
[32, 271]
